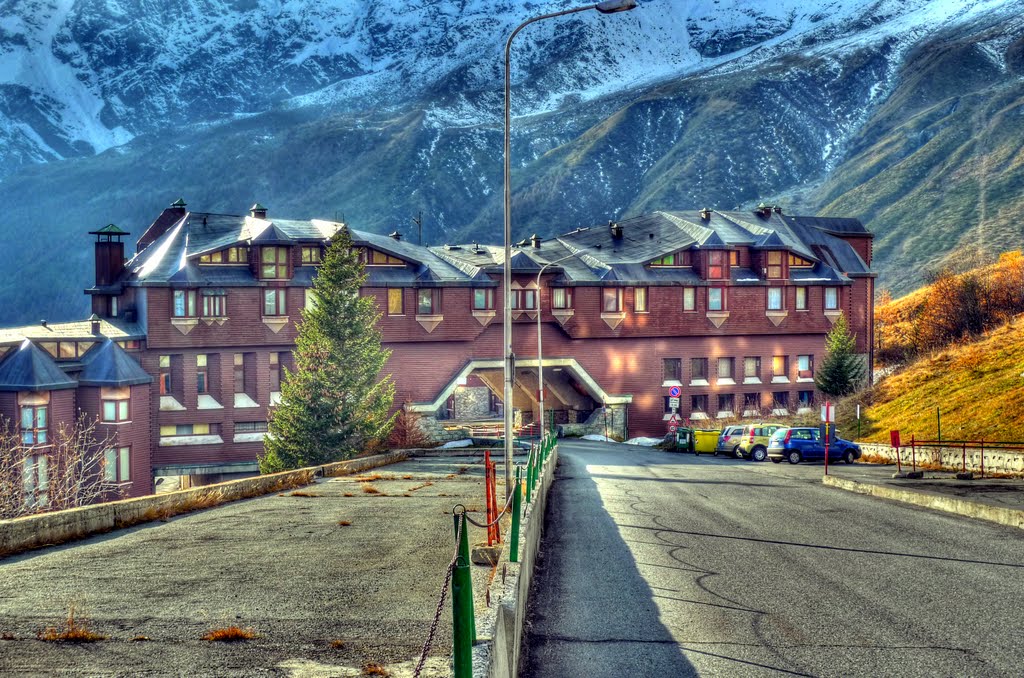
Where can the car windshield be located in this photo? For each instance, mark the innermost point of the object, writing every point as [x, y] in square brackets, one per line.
[780, 434]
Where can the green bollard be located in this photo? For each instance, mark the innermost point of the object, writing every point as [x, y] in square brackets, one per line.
[513, 547]
[529, 476]
[463, 623]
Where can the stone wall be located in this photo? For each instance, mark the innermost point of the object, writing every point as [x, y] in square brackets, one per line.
[614, 426]
[952, 457]
[436, 432]
[473, 402]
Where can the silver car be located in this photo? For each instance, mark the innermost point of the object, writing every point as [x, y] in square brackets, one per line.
[729, 440]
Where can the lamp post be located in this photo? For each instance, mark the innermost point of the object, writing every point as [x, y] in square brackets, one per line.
[540, 354]
[607, 7]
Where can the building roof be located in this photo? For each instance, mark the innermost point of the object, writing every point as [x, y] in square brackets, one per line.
[113, 328]
[110, 365]
[30, 368]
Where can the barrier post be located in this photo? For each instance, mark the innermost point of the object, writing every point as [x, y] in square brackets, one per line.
[982, 458]
[463, 623]
[913, 453]
[513, 547]
[529, 478]
[964, 463]
[899, 466]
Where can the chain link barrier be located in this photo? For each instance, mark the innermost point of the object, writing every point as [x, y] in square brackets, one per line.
[440, 605]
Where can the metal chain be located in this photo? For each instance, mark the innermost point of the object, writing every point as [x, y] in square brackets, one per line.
[440, 603]
[508, 504]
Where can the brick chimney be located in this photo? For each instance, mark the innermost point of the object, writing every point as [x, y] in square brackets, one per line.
[109, 254]
[535, 240]
[615, 228]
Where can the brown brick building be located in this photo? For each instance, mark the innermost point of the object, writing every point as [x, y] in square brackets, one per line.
[195, 330]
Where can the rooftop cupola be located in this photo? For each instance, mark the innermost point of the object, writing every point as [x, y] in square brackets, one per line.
[258, 211]
[535, 240]
[94, 324]
[615, 228]
[109, 254]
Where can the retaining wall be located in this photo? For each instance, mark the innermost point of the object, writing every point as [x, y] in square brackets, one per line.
[996, 461]
[48, 529]
[500, 630]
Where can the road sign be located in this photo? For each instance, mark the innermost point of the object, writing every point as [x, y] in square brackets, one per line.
[674, 391]
[672, 428]
[674, 419]
[828, 412]
[673, 403]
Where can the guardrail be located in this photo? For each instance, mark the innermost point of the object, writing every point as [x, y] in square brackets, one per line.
[965, 456]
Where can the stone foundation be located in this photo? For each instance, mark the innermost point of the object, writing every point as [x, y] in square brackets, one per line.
[614, 426]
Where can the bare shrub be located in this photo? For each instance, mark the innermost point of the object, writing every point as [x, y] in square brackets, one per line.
[407, 432]
[229, 634]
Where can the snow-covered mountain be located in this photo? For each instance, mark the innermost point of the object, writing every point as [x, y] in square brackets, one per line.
[80, 76]
[904, 113]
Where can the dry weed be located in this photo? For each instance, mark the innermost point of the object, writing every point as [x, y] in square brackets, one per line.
[348, 494]
[74, 630]
[370, 489]
[344, 523]
[375, 670]
[229, 634]
[304, 494]
[140, 638]
[370, 478]
[337, 644]
[407, 477]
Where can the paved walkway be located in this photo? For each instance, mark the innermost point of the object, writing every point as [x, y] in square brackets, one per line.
[324, 598]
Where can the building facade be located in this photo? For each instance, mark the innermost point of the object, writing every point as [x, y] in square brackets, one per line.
[196, 328]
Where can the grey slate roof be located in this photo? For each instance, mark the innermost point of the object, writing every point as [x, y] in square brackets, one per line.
[30, 368]
[109, 365]
[69, 331]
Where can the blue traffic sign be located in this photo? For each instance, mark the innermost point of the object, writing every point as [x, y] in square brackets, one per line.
[674, 391]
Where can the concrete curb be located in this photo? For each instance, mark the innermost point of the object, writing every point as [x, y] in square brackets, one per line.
[971, 509]
[59, 527]
[500, 628]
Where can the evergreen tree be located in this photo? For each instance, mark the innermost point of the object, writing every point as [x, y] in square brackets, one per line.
[334, 403]
[842, 370]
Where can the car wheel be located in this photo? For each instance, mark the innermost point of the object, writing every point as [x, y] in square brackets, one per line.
[759, 454]
[776, 460]
[736, 452]
[716, 452]
[848, 456]
[793, 457]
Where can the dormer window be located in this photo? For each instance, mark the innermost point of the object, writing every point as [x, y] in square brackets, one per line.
[799, 262]
[684, 258]
[274, 263]
[232, 255]
[774, 264]
[311, 254]
[717, 267]
[370, 257]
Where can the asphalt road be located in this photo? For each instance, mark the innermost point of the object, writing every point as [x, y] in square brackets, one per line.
[659, 564]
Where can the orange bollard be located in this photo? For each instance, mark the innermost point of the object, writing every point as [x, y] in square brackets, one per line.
[487, 496]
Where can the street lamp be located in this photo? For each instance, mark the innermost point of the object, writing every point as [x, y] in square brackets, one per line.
[607, 7]
[540, 354]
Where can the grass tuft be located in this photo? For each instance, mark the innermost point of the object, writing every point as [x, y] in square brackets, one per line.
[229, 634]
[304, 494]
[337, 644]
[370, 478]
[344, 523]
[140, 638]
[73, 631]
[375, 670]
[348, 494]
[407, 477]
[370, 489]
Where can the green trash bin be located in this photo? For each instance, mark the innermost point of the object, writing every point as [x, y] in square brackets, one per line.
[684, 439]
[706, 440]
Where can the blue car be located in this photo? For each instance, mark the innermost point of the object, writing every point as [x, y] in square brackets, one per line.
[808, 444]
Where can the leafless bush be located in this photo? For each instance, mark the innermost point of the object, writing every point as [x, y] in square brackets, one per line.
[68, 473]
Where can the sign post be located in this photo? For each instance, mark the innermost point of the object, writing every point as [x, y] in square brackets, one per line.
[827, 414]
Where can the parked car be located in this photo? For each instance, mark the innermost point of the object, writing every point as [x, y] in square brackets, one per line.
[808, 444]
[754, 441]
[728, 440]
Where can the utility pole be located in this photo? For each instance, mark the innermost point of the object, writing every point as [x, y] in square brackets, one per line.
[418, 220]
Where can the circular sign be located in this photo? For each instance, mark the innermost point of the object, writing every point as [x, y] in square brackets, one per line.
[674, 391]
[672, 428]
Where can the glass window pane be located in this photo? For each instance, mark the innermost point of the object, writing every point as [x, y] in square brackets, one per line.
[715, 299]
[110, 464]
[109, 410]
[425, 305]
[26, 417]
[125, 470]
[179, 303]
[641, 299]
[269, 302]
[41, 417]
[122, 410]
[689, 298]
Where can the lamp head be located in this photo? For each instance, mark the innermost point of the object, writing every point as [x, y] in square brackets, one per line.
[613, 6]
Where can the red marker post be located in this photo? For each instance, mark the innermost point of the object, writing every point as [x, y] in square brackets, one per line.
[828, 408]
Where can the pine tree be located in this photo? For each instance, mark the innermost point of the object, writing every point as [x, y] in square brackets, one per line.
[842, 370]
[334, 403]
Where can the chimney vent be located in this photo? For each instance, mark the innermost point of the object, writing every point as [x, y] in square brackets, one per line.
[535, 239]
[395, 234]
[258, 211]
[778, 209]
[95, 322]
[43, 322]
[616, 229]
[763, 210]
[705, 214]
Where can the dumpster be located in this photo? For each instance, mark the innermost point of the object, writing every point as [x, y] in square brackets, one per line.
[684, 439]
[706, 440]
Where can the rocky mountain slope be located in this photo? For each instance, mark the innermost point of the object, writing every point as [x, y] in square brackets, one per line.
[905, 114]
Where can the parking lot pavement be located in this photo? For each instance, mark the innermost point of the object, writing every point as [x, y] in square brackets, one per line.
[330, 578]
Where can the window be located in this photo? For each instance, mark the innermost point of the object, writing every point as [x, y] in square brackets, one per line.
[684, 258]
[780, 366]
[66, 350]
[251, 427]
[698, 403]
[725, 368]
[799, 262]
[184, 305]
[805, 366]
[698, 369]
[33, 424]
[428, 302]
[202, 382]
[309, 299]
[806, 398]
[726, 402]
[734, 258]
[117, 464]
[113, 307]
[671, 369]
[611, 299]
[381, 259]
[275, 371]
[239, 372]
[483, 299]
[640, 300]
[213, 303]
[130, 344]
[780, 400]
[751, 402]
[232, 255]
[35, 480]
[717, 268]
[689, 298]
[774, 268]
[716, 298]
[165, 375]
[115, 410]
[396, 301]
[274, 263]
[561, 297]
[831, 298]
[311, 254]
[774, 298]
[524, 300]
[801, 298]
[171, 431]
[751, 368]
[274, 302]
